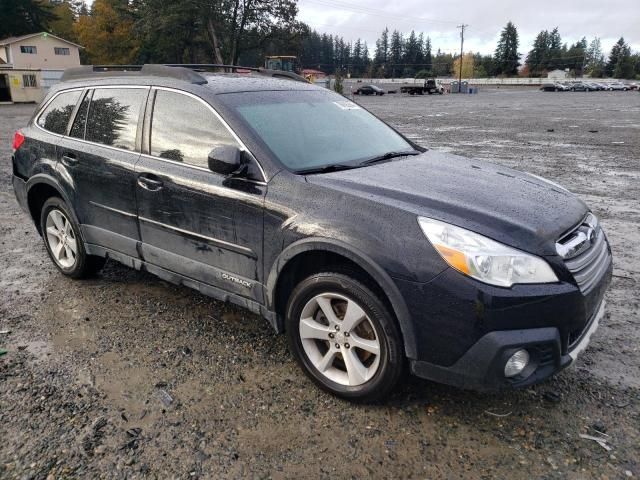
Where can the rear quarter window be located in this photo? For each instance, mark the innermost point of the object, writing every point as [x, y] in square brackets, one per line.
[56, 115]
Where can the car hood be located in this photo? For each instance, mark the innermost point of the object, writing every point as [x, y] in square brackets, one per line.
[512, 207]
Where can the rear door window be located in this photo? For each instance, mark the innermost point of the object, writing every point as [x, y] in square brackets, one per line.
[184, 129]
[57, 114]
[113, 116]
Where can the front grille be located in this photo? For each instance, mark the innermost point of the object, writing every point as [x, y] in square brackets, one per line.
[586, 253]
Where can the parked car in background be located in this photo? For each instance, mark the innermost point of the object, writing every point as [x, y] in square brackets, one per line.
[617, 86]
[594, 86]
[634, 86]
[369, 90]
[555, 87]
[580, 87]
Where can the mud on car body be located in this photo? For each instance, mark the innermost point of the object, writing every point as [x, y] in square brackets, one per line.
[374, 255]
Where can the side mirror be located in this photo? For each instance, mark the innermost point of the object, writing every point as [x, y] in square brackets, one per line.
[225, 159]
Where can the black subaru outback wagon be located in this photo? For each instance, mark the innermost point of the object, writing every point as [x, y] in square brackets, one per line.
[373, 254]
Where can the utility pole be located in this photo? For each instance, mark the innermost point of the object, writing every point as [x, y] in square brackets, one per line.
[461, 27]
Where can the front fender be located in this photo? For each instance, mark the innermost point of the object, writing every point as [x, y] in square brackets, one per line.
[365, 262]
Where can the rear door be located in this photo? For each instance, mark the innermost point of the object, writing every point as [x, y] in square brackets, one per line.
[195, 222]
[97, 161]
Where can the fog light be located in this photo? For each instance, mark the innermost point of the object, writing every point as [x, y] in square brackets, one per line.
[516, 363]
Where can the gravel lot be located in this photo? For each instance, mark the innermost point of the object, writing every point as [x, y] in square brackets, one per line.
[126, 376]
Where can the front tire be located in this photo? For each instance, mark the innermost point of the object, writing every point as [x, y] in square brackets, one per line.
[344, 337]
[63, 240]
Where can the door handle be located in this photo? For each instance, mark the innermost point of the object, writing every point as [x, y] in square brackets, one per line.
[149, 182]
[69, 159]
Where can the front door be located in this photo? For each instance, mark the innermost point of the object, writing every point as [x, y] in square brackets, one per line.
[195, 222]
[97, 160]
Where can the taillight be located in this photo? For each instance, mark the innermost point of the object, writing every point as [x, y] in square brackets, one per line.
[18, 140]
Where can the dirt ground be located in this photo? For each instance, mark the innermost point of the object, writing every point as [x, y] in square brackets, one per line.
[126, 376]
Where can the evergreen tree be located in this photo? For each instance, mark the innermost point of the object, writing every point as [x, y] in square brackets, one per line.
[620, 64]
[366, 61]
[20, 17]
[536, 61]
[326, 53]
[356, 59]
[554, 58]
[395, 53]
[427, 58]
[381, 56]
[575, 57]
[411, 55]
[507, 57]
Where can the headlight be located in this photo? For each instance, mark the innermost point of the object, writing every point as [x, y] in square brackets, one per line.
[485, 259]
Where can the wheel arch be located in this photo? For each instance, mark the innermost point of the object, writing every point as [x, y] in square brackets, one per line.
[283, 274]
[40, 188]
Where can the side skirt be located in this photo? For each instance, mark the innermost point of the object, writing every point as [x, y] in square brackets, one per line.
[178, 279]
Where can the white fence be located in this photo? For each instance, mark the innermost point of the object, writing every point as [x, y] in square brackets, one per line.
[524, 82]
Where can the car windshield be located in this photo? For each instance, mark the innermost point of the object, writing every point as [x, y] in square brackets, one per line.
[313, 129]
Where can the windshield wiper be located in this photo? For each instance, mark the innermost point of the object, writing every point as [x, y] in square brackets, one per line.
[327, 168]
[388, 156]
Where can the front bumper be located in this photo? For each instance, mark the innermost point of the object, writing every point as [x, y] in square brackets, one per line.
[482, 366]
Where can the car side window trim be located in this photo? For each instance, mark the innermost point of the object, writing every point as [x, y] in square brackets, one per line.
[146, 141]
[82, 140]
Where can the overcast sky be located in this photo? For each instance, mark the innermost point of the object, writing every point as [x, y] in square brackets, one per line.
[607, 19]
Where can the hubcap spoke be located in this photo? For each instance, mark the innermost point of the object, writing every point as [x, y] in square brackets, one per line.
[71, 243]
[325, 305]
[327, 360]
[370, 346]
[309, 328]
[53, 231]
[58, 220]
[356, 371]
[67, 227]
[68, 253]
[58, 250]
[353, 316]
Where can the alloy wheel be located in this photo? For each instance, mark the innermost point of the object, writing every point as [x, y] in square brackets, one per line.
[61, 239]
[339, 339]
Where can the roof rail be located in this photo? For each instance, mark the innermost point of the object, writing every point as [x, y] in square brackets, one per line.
[179, 71]
[101, 71]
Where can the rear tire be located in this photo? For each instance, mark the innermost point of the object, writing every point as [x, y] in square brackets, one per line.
[344, 337]
[63, 241]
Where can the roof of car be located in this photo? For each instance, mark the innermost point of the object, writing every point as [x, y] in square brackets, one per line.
[216, 83]
[230, 82]
[195, 76]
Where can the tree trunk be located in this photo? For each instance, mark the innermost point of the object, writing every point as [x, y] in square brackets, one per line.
[215, 43]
